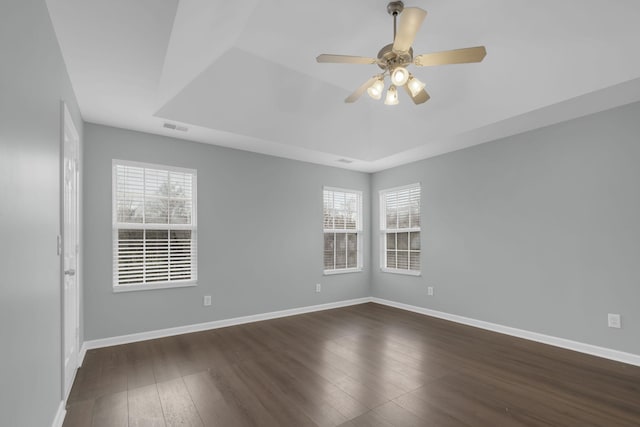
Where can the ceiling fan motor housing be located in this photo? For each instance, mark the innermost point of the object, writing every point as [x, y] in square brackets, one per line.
[388, 59]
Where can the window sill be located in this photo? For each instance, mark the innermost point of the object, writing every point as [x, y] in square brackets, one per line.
[403, 272]
[154, 286]
[341, 271]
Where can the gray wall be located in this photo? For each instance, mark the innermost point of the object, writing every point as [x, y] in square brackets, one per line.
[33, 81]
[259, 235]
[539, 231]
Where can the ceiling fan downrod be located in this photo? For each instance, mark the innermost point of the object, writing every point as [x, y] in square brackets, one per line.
[394, 9]
[387, 58]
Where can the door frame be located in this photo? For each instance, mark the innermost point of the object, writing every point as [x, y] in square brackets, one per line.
[67, 127]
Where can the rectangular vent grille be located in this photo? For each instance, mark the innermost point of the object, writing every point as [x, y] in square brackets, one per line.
[173, 126]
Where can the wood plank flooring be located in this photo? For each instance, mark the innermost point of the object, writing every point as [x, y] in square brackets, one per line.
[365, 365]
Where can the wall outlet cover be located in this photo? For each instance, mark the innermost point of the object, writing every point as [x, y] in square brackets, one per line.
[613, 320]
[207, 300]
[318, 287]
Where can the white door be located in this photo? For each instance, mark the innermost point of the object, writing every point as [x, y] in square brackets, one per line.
[70, 251]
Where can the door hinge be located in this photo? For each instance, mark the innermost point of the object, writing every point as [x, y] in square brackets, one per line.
[59, 245]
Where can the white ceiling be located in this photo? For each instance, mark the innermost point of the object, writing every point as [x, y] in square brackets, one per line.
[243, 74]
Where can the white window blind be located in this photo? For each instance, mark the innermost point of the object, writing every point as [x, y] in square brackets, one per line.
[342, 230]
[400, 229]
[154, 226]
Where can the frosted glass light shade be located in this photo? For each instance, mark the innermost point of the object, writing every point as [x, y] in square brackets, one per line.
[415, 86]
[392, 96]
[375, 90]
[399, 76]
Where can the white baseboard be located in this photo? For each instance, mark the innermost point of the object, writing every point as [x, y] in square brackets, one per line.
[161, 333]
[59, 419]
[619, 356]
[82, 354]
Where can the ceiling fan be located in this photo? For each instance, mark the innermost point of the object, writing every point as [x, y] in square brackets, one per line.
[395, 57]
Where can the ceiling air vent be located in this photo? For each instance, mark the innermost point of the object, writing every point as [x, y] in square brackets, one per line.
[345, 161]
[173, 126]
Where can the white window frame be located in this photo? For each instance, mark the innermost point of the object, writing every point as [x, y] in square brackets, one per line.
[358, 231]
[140, 226]
[384, 231]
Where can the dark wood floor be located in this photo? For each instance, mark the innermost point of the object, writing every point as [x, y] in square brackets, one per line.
[366, 365]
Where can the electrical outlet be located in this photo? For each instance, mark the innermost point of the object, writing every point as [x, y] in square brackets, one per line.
[318, 287]
[207, 300]
[430, 290]
[613, 321]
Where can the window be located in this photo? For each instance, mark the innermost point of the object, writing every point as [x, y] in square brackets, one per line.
[342, 230]
[400, 230]
[154, 226]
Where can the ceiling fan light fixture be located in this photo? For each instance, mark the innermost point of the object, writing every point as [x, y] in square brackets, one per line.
[395, 57]
[415, 86]
[399, 76]
[375, 90]
[392, 96]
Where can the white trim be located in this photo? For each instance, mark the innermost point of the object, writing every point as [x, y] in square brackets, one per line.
[161, 333]
[341, 189]
[69, 125]
[342, 271]
[619, 356]
[401, 187]
[79, 359]
[60, 414]
[81, 355]
[116, 226]
[157, 166]
[401, 271]
[153, 286]
[359, 231]
[606, 353]
[385, 231]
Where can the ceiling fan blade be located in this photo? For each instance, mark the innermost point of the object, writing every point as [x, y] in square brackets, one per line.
[410, 21]
[362, 89]
[345, 59]
[420, 98]
[457, 56]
